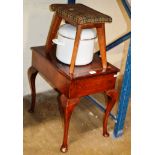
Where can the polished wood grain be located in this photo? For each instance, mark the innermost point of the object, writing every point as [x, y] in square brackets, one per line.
[49, 71]
[32, 73]
[56, 20]
[112, 98]
[79, 71]
[67, 106]
[72, 88]
[55, 71]
[102, 44]
[92, 85]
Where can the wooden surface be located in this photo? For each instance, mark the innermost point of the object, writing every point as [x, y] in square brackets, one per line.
[57, 74]
[112, 96]
[75, 49]
[56, 20]
[67, 106]
[88, 79]
[32, 73]
[102, 44]
[79, 71]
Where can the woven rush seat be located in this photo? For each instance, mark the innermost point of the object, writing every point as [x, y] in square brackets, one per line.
[78, 14]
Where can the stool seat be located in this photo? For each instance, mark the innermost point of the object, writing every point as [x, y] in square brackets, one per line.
[78, 14]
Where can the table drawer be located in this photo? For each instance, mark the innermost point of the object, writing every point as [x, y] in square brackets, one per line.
[86, 86]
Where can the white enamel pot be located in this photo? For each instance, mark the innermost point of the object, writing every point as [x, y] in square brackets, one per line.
[65, 43]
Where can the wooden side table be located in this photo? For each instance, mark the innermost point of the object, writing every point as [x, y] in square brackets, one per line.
[74, 82]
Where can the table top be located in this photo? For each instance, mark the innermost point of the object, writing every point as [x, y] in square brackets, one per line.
[92, 69]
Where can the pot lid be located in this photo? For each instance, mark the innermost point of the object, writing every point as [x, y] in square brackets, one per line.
[69, 31]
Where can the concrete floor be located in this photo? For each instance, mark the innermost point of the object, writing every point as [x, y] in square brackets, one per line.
[43, 130]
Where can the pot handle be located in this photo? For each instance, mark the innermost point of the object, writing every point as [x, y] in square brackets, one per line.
[58, 42]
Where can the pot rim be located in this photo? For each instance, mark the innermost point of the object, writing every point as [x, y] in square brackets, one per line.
[74, 39]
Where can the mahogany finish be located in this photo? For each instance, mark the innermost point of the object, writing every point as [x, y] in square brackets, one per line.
[73, 87]
[98, 76]
[32, 73]
[112, 97]
[67, 106]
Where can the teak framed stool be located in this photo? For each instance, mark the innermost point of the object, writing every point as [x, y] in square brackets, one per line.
[74, 82]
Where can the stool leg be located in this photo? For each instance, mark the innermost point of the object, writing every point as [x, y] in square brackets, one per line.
[75, 49]
[67, 105]
[32, 72]
[102, 44]
[52, 32]
[112, 97]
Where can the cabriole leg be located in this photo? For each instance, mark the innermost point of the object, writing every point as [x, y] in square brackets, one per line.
[32, 72]
[67, 106]
[112, 97]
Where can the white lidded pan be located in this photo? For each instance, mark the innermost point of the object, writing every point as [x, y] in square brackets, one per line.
[65, 44]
